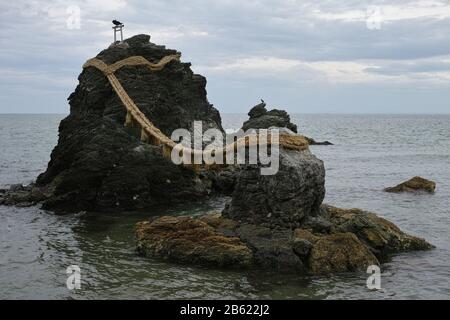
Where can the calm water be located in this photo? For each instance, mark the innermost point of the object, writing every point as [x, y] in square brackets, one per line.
[370, 153]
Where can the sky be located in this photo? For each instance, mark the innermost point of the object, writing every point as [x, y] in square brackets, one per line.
[320, 56]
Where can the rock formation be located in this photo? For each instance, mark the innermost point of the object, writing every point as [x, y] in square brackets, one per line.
[296, 191]
[260, 118]
[354, 240]
[99, 164]
[413, 185]
[278, 222]
[275, 222]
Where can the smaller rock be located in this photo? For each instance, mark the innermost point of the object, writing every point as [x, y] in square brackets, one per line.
[189, 240]
[381, 236]
[415, 184]
[258, 110]
[17, 187]
[313, 142]
[260, 118]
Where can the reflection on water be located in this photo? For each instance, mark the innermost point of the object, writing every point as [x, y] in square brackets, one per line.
[371, 152]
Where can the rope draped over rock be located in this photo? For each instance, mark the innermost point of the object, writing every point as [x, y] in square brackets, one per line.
[150, 133]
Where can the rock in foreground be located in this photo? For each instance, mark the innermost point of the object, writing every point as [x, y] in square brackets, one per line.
[193, 241]
[414, 184]
[354, 241]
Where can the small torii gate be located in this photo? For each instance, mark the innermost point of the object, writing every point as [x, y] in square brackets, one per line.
[117, 27]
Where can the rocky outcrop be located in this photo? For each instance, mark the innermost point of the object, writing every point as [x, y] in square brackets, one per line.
[188, 240]
[260, 118]
[23, 196]
[98, 164]
[354, 241]
[313, 142]
[284, 199]
[281, 222]
[413, 185]
[381, 236]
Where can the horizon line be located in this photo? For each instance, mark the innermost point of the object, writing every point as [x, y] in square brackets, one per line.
[244, 113]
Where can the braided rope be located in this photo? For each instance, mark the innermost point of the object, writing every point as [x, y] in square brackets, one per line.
[150, 133]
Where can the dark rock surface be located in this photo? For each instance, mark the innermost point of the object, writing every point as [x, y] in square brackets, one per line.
[99, 164]
[313, 142]
[260, 118]
[283, 199]
[413, 185]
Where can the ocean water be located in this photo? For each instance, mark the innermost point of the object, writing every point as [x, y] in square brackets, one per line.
[370, 153]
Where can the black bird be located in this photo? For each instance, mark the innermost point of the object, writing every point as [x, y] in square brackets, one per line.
[262, 101]
[117, 23]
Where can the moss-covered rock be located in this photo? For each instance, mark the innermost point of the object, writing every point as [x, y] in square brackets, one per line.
[381, 236]
[339, 252]
[414, 184]
[192, 241]
[355, 240]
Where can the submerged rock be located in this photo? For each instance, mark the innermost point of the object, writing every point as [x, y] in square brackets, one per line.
[313, 142]
[23, 196]
[414, 184]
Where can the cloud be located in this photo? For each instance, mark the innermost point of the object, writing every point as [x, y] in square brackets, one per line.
[348, 72]
[257, 44]
[391, 12]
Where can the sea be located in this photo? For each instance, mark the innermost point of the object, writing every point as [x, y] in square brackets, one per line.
[370, 152]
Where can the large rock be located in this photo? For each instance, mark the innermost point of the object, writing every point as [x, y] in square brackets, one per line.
[414, 184]
[355, 241]
[99, 164]
[283, 199]
[260, 118]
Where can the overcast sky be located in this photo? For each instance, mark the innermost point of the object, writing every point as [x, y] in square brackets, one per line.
[341, 56]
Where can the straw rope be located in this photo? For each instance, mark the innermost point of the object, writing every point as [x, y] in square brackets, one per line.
[151, 134]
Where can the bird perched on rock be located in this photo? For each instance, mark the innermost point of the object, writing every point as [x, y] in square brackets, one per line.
[117, 23]
[262, 101]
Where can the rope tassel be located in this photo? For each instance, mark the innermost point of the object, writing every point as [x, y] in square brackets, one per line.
[129, 120]
[144, 136]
